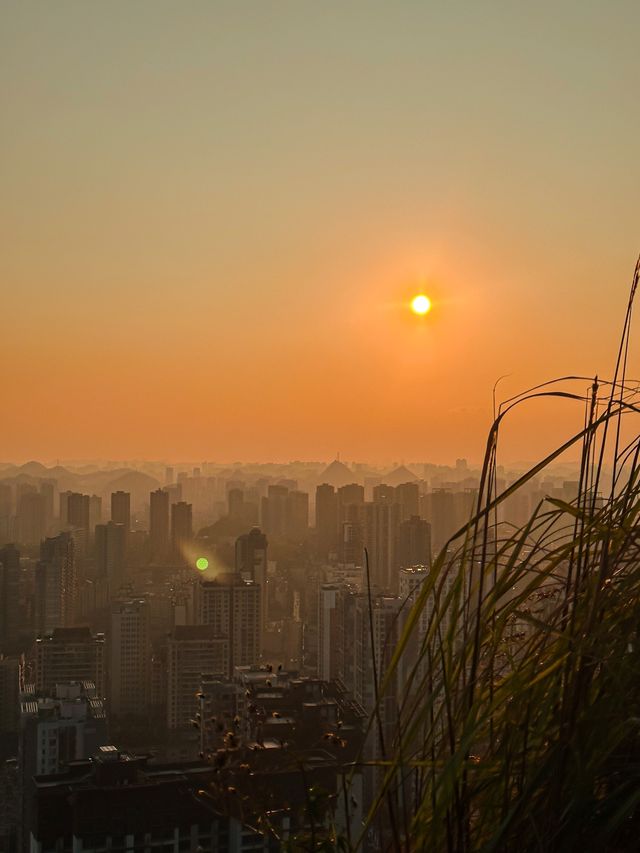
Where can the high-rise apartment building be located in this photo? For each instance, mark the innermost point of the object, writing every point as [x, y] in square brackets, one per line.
[31, 517]
[121, 509]
[414, 542]
[407, 496]
[384, 494]
[326, 519]
[6, 500]
[410, 672]
[297, 514]
[274, 513]
[130, 658]
[350, 500]
[69, 654]
[78, 511]
[337, 633]
[110, 550]
[181, 529]
[47, 490]
[6, 513]
[63, 514]
[349, 495]
[56, 583]
[232, 606]
[9, 695]
[252, 564]
[380, 526]
[235, 504]
[329, 632]
[448, 511]
[371, 663]
[9, 599]
[95, 511]
[251, 555]
[159, 525]
[192, 651]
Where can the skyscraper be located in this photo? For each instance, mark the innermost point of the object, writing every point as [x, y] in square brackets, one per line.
[252, 564]
[349, 495]
[384, 616]
[121, 509]
[232, 607]
[6, 512]
[410, 580]
[130, 658]
[329, 652]
[297, 514]
[56, 583]
[326, 518]
[193, 650]
[414, 666]
[414, 543]
[9, 696]
[95, 511]
[384, 494]
[9, 598]
[181, 529]
[31, 517]
[379, 537]
[407, 496]
[159, 525]
[274, 510]
[6, 500]
[110, 548]
[78, 511]
[235, 500]
[371, 662]
[251, 555]
[47, 490]
[63, 498]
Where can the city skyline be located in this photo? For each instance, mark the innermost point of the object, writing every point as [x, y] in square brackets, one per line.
[319, 465]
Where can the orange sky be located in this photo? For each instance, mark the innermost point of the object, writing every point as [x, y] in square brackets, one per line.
[214, 218]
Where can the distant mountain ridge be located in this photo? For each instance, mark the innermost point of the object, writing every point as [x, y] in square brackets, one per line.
[96, 482]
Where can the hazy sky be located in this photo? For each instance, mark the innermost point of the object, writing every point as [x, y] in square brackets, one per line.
[213, 215]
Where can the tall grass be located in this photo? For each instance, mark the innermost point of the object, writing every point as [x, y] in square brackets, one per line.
[519, 728]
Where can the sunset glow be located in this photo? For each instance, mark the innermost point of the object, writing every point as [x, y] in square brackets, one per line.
[232, 275]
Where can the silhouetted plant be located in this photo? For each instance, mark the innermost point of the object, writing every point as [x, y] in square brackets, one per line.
[519, 728]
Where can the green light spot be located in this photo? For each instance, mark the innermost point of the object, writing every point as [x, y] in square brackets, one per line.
[202, 563]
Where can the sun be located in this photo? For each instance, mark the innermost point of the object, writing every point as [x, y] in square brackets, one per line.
[421, 304]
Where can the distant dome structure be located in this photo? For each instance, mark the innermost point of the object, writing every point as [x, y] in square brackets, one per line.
[337, 474]
[399, 476]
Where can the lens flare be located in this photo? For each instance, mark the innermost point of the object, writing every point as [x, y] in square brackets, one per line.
[202, 564]
[421, 304]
